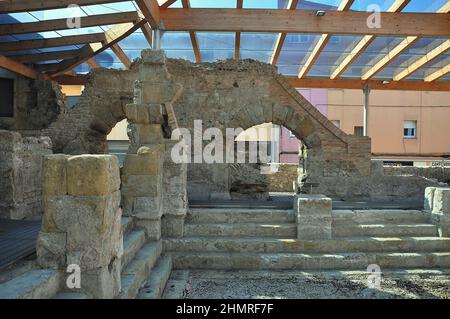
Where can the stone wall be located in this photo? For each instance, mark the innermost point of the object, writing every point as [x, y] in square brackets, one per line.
[37, 104]
[441, 174]
[20, 174]
[224, 95]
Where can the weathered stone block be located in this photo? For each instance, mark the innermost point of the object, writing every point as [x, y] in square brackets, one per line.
[147, 208]
[172, 225]
[51, 250]
[143, 164]
[93, 175]
[307, 232]
[152, 228]
[151, 133]
[441, 201]
[142, 185]
[54, 175]
[153, 56]
[103, 282]
[312, 205]
[428, 202]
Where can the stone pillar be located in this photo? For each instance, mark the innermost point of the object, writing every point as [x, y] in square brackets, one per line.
[313, 216]
[82, 220]
[437, 203]
[152, 184]
[142, 188]
[174, 194]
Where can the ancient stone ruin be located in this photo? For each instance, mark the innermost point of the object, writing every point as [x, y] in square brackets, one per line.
[127, 229]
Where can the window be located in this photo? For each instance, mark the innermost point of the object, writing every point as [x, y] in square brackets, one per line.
[7, 97]
[410, 129]
[336, 123]
[358, 131]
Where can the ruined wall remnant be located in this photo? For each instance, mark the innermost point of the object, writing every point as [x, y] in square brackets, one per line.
[229, 95]
[153, 185]
[20, 174]
[82, 221]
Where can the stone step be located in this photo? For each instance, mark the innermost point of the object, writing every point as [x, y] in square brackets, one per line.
[240, 215]
[34, 284]
[137, 271]
[290, 261]
[70, 295]
[380, 216]
[242, 230]
[384, 230]
[156, 282]
[131, 245]
[268, 245]
[127, 225]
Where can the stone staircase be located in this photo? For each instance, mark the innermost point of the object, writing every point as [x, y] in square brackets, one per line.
[145, 272]
[266, 239]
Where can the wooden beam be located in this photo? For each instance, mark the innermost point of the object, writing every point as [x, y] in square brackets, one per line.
[93, 64]
[438, 74]
[52, 42]
[237, 36]
[111, 37]
[150, 9]
[198, 57]
[167, 4]
[430, 56]
[359, 48]
[374, 85]
[32, 5]
[147, 31]
[45, 56]
[61, 24]
[305, 21]
[292, 5]
[17, 67]
[321, 43]
[400, 48]
[121, 55]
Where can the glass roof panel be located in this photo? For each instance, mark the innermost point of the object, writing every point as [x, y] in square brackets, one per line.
[20, 17]
[379, 48]
[216, 46]
[317, 4]
[409, 56]
[178, 45]
[62, 13]
[125, 6]
[369, 5]
[437, 64]
[424, 5]
[213, 4]
[338, 47]
[135, 41]
[258, 46]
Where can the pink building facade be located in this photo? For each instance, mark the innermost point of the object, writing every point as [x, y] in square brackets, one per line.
[289, 144]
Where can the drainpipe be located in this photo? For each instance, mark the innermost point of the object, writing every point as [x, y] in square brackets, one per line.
[366, 91]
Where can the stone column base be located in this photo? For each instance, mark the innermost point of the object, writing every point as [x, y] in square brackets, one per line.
[313, 216]
[172, 225]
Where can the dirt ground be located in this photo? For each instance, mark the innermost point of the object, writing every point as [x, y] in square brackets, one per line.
[306, 285]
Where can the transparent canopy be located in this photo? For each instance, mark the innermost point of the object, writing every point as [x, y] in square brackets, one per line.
[260, 46]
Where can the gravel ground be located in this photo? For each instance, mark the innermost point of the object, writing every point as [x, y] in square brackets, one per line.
[306, 285]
